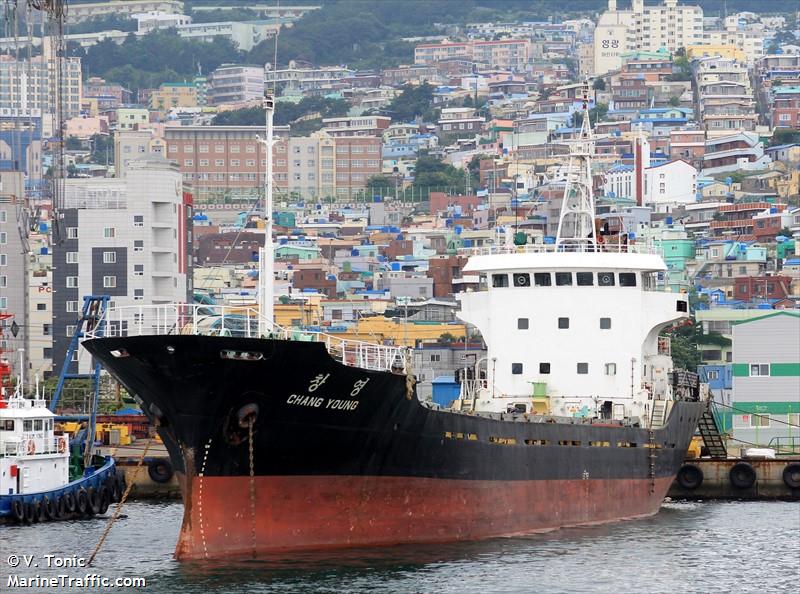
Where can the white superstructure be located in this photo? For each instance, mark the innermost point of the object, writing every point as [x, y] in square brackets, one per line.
[572, 328]
[33, 457]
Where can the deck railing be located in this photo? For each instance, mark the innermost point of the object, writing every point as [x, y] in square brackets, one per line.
[539, 248]
[244, 322]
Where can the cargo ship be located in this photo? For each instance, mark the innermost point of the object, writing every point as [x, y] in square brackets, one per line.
[286, 440]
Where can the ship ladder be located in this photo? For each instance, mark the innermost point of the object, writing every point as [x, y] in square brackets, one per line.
[709, 431]
[652, 459]
[659, 415]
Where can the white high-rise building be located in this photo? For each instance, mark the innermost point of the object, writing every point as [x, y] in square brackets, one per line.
[647, 28]
[128, 238]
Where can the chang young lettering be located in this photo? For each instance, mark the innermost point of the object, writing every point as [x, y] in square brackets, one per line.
[303, 400]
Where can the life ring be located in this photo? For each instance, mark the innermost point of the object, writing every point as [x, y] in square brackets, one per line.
[30, 447]
[742, 475]
[791, 475]
[160, 470]
[18, 509]
[689, 477]
[62, 445]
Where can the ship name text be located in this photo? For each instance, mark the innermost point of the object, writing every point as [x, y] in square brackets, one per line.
[322, 402]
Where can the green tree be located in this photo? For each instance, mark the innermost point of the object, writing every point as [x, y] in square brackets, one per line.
[380, 182]
[675, 101]
[431, 174]
[599, 84]
[411, 103]
[681, 69]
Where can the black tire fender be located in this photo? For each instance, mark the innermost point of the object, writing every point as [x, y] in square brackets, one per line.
[82, 500]
[690, 477]
[742, 475]
[50, 509]
[105, 499]
[160, 470]
[791, 475]
[94, 501]
[69, 502]
[30, 512]
[18, 510]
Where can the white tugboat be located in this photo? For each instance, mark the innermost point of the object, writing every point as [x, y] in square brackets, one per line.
[35, 481]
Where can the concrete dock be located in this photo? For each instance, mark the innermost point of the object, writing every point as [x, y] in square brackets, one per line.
[738, 478]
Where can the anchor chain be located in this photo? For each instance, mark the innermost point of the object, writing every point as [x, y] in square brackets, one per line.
[252, 486]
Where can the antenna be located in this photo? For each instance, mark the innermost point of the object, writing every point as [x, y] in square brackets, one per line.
[576, 222]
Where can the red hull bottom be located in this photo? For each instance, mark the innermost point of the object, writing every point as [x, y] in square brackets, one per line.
[319, 512]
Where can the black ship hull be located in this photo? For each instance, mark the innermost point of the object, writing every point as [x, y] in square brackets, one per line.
[343, 456]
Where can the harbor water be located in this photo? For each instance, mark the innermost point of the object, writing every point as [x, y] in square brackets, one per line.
[688, 547]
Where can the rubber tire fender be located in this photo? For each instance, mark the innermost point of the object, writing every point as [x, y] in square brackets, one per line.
[82, 499]
[114, 490]
[690, 477]
[41, 516]
[30, 512]
[742, 475]
[105, 499]
[61, 508]
[791, 475]
[160, 470]
[18, 510]
[69, 502]
[50, 509]
[94, 501]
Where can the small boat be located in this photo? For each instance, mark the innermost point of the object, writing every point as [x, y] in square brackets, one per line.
[42, 476]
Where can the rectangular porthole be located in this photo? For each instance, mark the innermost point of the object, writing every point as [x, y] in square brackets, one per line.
[521, 279]
[542, 279]
[584, 279]
[605, 323]
[583, 368]
[627, 279]
[516, 368]
[499, 280]
[563, 279]
[563, 323]
[522, 324]
[538, 442]
[544, 368]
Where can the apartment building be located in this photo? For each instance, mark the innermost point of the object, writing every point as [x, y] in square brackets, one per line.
[724, 95]
[173, 94]
[29, 86]
[81, 12]
[129, 238]
[294, 79]
[649, 28]
[13, 260]
[232, 83]
[356, 126]
[135, 144]
[227, 163]
[39, 350]
[512, 54]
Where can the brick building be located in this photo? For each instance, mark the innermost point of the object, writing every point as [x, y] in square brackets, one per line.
[443, 270]
[762, 287]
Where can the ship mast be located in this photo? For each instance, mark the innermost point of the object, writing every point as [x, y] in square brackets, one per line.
[266, 260]
[576, 232]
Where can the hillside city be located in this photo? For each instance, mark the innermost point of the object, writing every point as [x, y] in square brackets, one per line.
[132, 165]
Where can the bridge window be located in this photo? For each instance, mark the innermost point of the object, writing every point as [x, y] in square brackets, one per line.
[563, 279]
[7, 425]
[627, 279]
[584, 279]
[605, 323]
[563, 323]
[27, 425]
[522, 323]
[516, 368]
[37, 424]
[542, 279]
[605, 279]
[499, 280]
[583, 368]
[522, 279]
